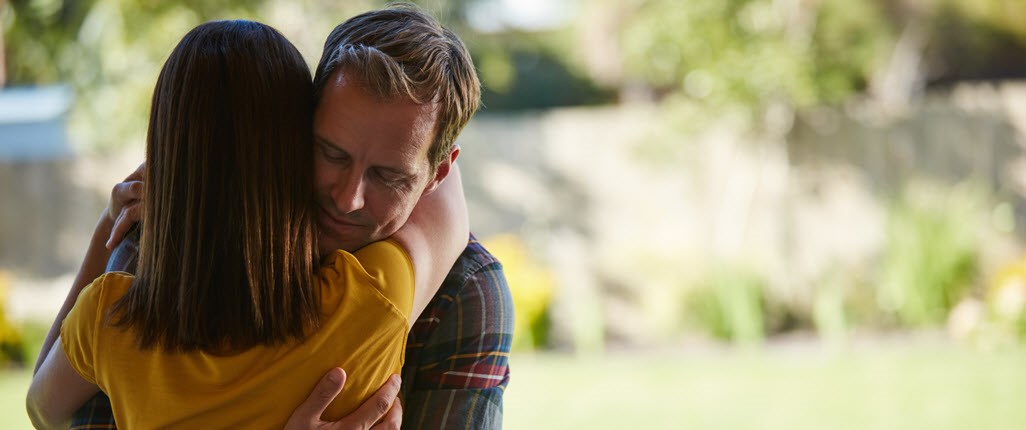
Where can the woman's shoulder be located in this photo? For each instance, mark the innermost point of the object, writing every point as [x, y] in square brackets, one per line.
[113, 282]
[90, 306]
[105, 289]
[383, 265]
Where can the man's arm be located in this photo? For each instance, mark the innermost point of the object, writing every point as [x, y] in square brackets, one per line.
[382, 408]
[457, 355]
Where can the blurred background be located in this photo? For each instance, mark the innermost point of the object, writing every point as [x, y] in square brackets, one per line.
[713, 214]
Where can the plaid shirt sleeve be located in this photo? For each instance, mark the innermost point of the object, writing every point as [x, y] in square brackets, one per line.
[96, 414]
[457, 355]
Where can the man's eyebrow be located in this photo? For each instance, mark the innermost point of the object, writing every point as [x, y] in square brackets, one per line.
[400, 171]
[395, 171]
[324, 141]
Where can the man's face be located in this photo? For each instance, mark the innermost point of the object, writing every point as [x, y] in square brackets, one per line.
[370, 163]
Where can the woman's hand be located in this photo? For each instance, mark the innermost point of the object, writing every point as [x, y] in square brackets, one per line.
[125, 206]
[380, 412]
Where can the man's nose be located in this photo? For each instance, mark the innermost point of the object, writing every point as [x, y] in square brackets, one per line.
[348, 195]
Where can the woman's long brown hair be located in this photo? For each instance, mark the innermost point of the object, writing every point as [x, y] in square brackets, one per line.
[227, 250]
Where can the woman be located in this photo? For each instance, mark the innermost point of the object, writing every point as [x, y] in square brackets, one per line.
[227, 323]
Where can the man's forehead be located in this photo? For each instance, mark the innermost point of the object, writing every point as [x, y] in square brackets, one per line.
[430, 106]
[383, 90]
[399, 125]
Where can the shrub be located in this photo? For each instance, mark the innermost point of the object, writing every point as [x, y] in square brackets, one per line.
[11, 344]
[729, 305]
[532, 286]
[930, 254]
[1006, 300]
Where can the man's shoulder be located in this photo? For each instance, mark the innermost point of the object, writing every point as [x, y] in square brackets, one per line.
[462, 340]
[474, 261]
[477, 287]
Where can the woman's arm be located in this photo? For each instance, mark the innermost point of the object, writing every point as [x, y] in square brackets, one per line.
[57, 391]
[124, 204]
[93, 265]
[434, 236]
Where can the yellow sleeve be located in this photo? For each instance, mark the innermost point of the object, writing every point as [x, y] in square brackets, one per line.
[389, 264]
[78, 331]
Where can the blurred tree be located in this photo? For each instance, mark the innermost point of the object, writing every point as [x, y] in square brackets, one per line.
[3, 50]
[976, 40]
[532, 71]
[46, 38]
[753, 54]
[108, 51]
[524, 67]
[709, 57]
[38, 34]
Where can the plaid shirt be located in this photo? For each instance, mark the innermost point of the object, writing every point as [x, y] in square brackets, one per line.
[456, 356]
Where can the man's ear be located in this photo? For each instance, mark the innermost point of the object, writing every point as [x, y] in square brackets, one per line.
[443, 169]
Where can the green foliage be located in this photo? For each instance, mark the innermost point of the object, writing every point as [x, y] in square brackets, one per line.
[534, 79]
[752, 53]
[12, 349]
[1005, 16]
[109, 51]
[749, 55]
[930, 254]
[829, 312]
[521, 71]
[850, 40]
[532, 286]
[972, 40]
[39, 34]
[724, 57]
[729, 305]
[1005, 300]
[51, 40]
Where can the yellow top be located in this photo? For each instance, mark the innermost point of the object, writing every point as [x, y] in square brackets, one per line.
[366, 304]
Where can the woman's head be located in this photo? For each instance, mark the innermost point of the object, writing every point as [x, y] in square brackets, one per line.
[227, 245]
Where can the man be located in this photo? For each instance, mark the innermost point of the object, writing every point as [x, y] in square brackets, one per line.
[394, 90]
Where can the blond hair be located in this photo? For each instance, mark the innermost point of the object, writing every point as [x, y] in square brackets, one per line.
[402, 52]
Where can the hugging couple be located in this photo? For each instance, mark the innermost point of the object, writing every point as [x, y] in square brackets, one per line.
[290, 246]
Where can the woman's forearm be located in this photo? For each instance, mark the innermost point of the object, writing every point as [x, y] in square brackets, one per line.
[93, 265]
[435, 235]
[57, 391]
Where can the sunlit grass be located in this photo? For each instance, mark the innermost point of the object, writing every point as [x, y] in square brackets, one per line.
[882, 386]
[13, 386]
[892, 387]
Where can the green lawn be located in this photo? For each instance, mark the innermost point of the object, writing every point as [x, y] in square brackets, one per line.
[13, 386]
[895, 387]
[881, 387]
